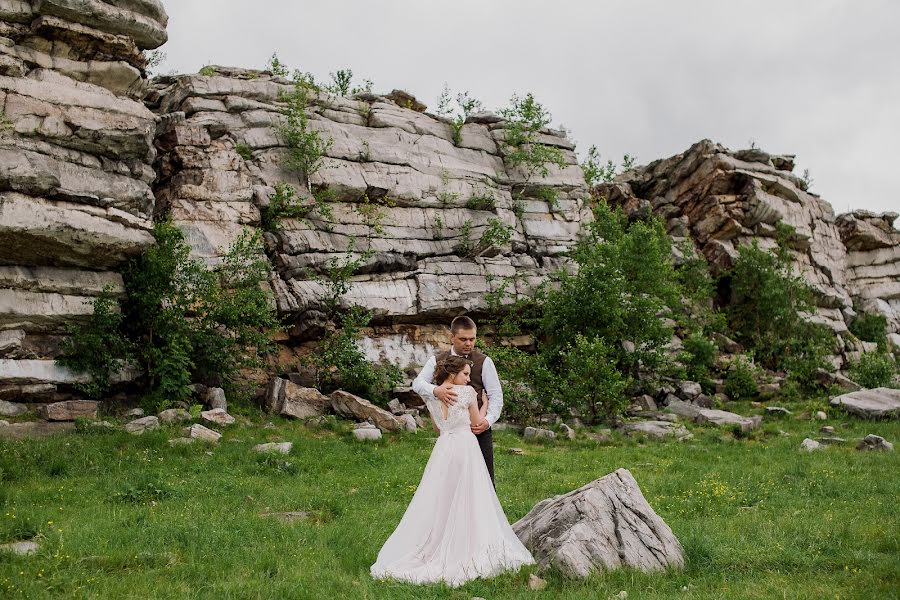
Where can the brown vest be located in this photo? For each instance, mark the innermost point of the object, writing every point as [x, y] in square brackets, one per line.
[475, 381]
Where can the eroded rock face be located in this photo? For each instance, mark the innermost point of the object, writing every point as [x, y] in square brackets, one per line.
[719, 199]
[604, 525]
[76, 155]
[400, 187]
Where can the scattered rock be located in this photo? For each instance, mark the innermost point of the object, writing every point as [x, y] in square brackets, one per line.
[535, 583]
[689, 389]
[503, 426]
[21, 548]
[34, 429]
[396, 407]
[768, 388]
[139, 426]
[874, 442]
[347, 405]
[274, 448]
[826, 429]
[134, 413]
[217, 416]
[810, 445]
[532, 433]
[601, 437]
[205, 434]
[12, 409]
[683, 409]
[871, 404]
[214, 397]
[409, 422]
[606, 524]
[174, 415]
[723, 417]
[821, 416]
[647, 403]
[69, 410]
[703, 401]
[367, 433]
[291, 400]
[516, 451]
[658, 429]
[568, 431]
[777, 410]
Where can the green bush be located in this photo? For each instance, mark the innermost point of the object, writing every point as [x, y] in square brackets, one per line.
[698, 357]
[874, 369]
[624, 283]
[530, 387]
[306, 146]
[740, 382]
[181, 322]
[594, 388]
[766, 311]
[870, 328]
[244, 151]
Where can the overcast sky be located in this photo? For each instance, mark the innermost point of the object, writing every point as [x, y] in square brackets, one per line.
[818, 78]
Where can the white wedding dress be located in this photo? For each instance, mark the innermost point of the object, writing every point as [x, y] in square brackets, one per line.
[454, 528]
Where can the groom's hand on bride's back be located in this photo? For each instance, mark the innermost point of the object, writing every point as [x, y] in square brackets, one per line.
[445, 395]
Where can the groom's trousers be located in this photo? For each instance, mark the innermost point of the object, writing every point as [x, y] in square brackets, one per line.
[486, 443]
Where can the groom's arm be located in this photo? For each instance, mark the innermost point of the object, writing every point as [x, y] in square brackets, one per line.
[422, 383]
[492, 386]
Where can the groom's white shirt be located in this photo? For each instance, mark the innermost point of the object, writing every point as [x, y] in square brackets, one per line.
[422, 385]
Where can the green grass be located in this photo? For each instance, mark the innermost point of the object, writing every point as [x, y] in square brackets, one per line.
[119, 516]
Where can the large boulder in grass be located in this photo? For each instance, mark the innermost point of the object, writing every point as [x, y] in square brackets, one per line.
[725, 418]
[353, 407]
[288, 399]
[876, 403]
[604, 525]
[69, 410]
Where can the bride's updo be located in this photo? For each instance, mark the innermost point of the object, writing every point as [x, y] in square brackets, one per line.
[449, 367]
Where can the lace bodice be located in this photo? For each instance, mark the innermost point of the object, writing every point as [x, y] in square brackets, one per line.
[457, 415]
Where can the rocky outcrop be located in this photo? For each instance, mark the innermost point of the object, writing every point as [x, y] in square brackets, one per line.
[717, 200]
[871, 404]
[399, 186]
[76, 155]
[604, 525]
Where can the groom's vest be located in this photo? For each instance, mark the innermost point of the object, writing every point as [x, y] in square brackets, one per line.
[475, 381]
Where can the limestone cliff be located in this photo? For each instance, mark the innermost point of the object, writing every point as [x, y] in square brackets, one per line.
[76, 155]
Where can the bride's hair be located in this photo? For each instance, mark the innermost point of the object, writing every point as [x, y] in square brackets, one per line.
[449, 367]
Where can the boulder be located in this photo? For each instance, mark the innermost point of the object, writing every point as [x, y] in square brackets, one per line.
[658, 429]
[69, 410]
[409, 422]
[204, 434]
[139, 426]
[291, 400]
[174, 415]
[353, 407]
[874, 442]
[274, 448]
[871, 404]
[367, 432]
[683, 409]
[217, 416]
[214, 397]
[12, 409]
[604, 525]
[725, 418]
[534, 433]
[810, 445]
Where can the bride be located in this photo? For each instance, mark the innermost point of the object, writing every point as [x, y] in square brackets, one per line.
[454, 528]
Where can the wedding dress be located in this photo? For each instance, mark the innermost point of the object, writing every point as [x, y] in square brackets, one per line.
[454, 528]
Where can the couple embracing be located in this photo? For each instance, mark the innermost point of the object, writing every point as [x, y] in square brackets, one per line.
[454, 528]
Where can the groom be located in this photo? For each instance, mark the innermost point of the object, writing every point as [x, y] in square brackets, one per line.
[484, 379]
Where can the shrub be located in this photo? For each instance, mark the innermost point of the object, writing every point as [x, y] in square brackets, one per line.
[740, 381]
[594, 388]
[306, 147]
[276, 67]
[874, 369]
[497, 233]
[870, 328]
[595, 172]
[624, 282]
[530, 386]
[244, 151]
[180, 321]
[767, 308]
[698, 357]
[465, 106]
[482, 201]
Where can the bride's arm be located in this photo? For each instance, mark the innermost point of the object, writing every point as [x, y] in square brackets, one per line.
[484, 407]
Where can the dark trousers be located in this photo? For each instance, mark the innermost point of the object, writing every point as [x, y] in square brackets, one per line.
[486, 443]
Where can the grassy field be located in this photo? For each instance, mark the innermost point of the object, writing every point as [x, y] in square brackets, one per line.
[119, 516]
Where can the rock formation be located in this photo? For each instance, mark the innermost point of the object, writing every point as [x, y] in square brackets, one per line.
[76, 155]
[719, 199]
[431, 196]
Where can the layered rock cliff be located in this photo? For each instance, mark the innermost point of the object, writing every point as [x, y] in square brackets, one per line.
[76, 155]
[431, 196]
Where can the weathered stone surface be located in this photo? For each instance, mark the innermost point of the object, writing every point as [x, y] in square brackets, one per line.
[217, 416]
[658, 429]
[274, 448]
[21, 548]
[875, 442]
[871, 404]
[12, 409]
[174, 415]
[723, 418]
[69, 410]
[205, 434]
[536, 433]
[683, 409]
[214, 397]
[347, 405]
[34, 429]
[370, 433]
[810, 445]
[139, 426]
[291, 400]
[604, 525]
